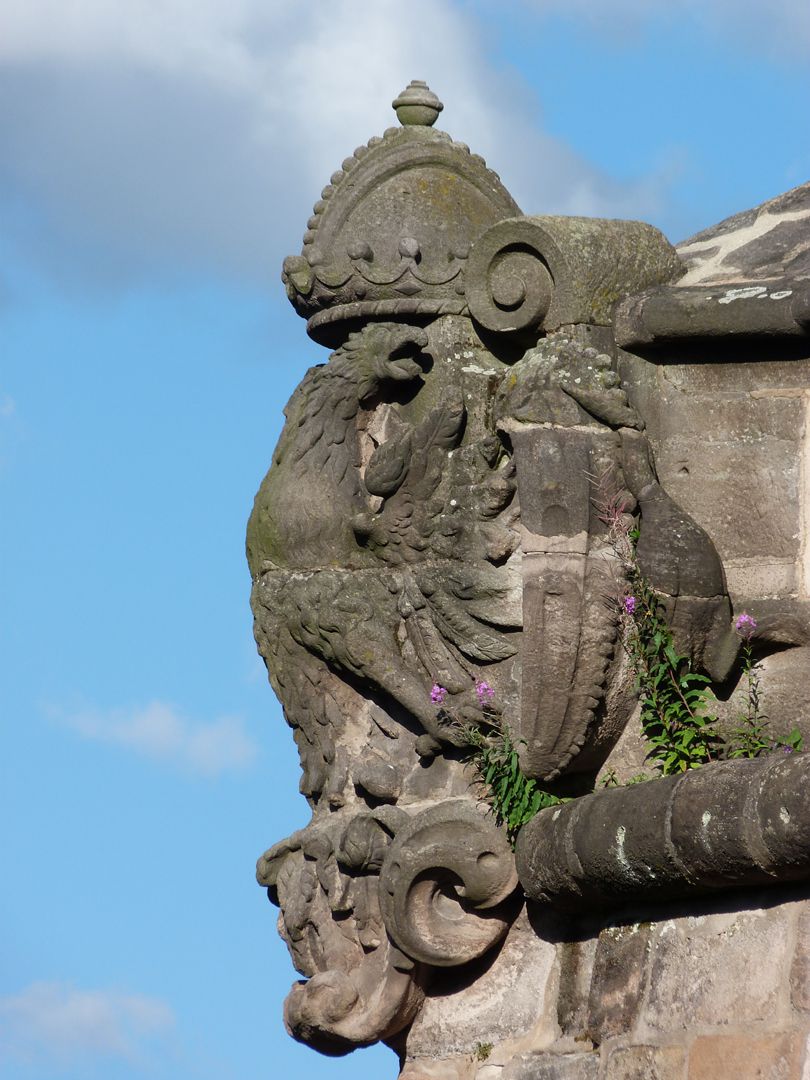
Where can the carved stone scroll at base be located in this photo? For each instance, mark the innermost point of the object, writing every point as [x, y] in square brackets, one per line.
[337, 1011]
[444, 884]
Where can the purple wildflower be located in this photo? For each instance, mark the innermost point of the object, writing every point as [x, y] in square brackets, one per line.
[630, 604]
[484, 691]
[745, 625]
[438, 694]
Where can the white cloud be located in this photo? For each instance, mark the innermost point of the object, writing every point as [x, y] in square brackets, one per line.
[8, 406]
[147, 133]
[158, 731]
[51, 1021]
[152, 130]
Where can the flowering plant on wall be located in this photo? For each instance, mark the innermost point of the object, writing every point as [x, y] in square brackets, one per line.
[676, 702]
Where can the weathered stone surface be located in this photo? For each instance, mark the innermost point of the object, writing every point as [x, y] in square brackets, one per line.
[739, 378]
[489, 1072]
[571, 426]
[628, 758]
[617, 984]
[444, 884]
[745, 277]
[763, 243]
[732, 823]
[731, 460]
[784, 687]
[716, 970]
[764, 1057]
[552, 1067]
[576, 960]
[800, 968]
[742, 311]
[430, 1069]
[647, 1063]
[431, 570]
[552, 271]
[340, 603]
[390, 235]
[503, 998]
[417, 105]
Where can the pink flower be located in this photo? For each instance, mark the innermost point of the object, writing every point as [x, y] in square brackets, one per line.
[630, 604]
[484, 691]
[438, 694]
[745, 625]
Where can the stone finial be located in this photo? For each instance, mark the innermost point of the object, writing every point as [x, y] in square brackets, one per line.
[417, 104]
[387, 239]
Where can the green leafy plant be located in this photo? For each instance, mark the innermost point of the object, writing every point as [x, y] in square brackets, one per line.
[674, 699]
[676, 702]
[637, 778]
[752, 737]
[483, 1050]
[514, 797]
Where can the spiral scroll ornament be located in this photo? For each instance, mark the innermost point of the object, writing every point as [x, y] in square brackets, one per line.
[509, 286]
[445, 885]
[545, 272]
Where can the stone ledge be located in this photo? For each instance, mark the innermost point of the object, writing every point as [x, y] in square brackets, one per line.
[726, 825]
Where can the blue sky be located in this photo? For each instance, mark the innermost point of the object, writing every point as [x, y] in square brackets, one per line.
[157, 162]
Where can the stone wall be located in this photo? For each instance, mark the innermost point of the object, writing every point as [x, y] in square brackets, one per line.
[731, 448]
[731, 436]
[709, 990]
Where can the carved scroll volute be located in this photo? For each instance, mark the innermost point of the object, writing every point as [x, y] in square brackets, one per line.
[445, 885]
[531, 273]
[508, 284]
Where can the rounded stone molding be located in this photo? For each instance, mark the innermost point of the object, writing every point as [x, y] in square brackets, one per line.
[528, 273]
[508, 284]
[417, 104]
[444, 885]
[390, 235]
[741, 823]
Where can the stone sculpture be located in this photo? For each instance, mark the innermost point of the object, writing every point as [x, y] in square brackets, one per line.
[428, 562]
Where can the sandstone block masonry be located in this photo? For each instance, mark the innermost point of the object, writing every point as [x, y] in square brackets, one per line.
[432, 574]
[711, 991]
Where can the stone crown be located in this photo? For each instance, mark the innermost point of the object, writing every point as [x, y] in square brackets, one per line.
[390, 235]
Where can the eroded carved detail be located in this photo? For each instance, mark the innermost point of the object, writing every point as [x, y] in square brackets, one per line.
[359, 987]
[428, 521]
[444, 882]
[381, 549]
[569, 421]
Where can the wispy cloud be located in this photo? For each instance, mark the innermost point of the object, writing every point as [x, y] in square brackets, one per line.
[56, 1022]
[157, 133]
[147, 131]
[160, 732]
